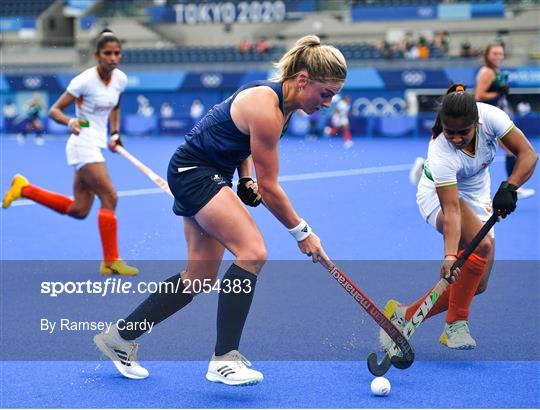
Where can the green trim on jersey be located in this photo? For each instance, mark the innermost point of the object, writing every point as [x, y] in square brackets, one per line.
[510, 128]
[427, 172]
[446, 184]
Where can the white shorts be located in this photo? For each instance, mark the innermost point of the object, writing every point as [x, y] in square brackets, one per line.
[339, 121]
[79, 155]
[429, 205]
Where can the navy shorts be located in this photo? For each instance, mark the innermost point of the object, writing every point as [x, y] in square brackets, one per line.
[193, 186]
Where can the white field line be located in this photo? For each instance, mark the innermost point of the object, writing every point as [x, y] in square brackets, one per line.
[285, 178]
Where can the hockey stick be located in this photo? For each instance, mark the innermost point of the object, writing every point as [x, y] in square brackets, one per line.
[156, 179]
[391, 357]
[371, 308]
[374, 311]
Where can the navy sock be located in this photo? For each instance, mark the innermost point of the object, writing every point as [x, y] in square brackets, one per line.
[233, 307]
[510, 162]
[158, 306]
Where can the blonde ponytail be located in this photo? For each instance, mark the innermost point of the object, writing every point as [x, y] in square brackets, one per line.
[322, 62]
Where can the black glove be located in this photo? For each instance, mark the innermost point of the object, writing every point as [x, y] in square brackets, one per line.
[114, 141]
[504, 90]
[505, 199]
[246, 194]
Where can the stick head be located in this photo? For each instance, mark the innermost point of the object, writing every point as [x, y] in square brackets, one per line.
[400, 362]
[376, 368]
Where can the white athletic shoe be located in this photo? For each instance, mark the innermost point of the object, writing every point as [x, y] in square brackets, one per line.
[394, 311]
[348, 144]
[416, 171]
[232, 369]
[524, 193]
[122, 352]
[457, 335]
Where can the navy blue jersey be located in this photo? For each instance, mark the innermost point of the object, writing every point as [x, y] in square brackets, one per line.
[216, 141]
[500, 81]
[33, 110]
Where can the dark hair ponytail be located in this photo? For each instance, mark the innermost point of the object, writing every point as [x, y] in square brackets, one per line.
[456, 103]
[105, 37]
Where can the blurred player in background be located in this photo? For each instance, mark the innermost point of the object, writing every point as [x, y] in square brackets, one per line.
[454, 197]
[242, 131]
[96, 92]
[492, 88]
[32, 109]
[340, 121]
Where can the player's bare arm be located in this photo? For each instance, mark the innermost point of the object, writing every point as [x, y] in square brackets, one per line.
[518, 144]
[56, 112]
[483, 81]
[451, 229]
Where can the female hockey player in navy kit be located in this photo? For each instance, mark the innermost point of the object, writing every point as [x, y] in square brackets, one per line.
[241, 132]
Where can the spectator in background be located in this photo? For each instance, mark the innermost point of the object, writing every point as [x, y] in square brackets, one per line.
[32, 109]
[263, 46]
[196, 111]
[166, 110]
[145, 108]
[423, 48]
[441, 42]
[411, 51]
[466, 50]
[523, 108]
[386, 50]
[492, 88]
[9, 109]
[245, 46]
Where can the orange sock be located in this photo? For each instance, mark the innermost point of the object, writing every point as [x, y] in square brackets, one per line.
[347, 135]
[462, 292]
[57, 202]
[108, 231]
[440, 306]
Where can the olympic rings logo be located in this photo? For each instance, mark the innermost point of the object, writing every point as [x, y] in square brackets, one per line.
[379, 106]
[32, 81]
[211, 80]
[413, 77]
[425, 12]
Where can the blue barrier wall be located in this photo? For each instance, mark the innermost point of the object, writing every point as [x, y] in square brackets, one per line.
[460, 11]
[357, 79]
[375, 93]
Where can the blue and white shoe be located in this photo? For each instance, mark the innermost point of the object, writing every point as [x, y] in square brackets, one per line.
[233, 369]
[457, 335]
[122, 352]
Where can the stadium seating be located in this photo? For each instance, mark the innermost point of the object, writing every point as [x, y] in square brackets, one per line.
[11, 8]
[125, 8]
[354, 51]
[196, 55]
[392, 3]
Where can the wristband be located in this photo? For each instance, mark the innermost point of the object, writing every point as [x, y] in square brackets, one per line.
[451, 254]
[243, 180]
[508, 186]
[301, 231]
[71, 119]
